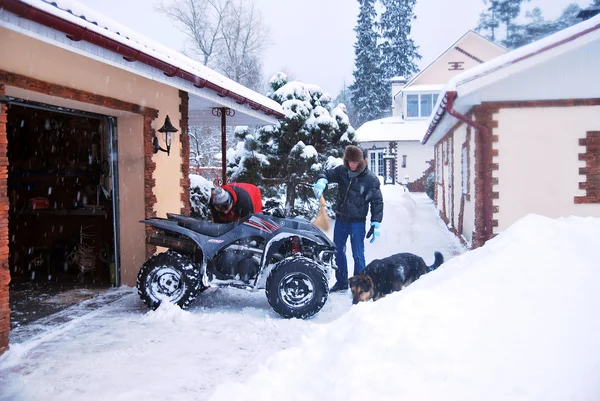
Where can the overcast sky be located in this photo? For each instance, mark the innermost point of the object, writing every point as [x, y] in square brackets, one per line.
[314, 39]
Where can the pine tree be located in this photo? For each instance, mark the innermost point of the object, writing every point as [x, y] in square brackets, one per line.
[309, 138]
[499, 12]
[398, 49]
[369, 87]
[245, 162]
[345, 98]
[538, 28]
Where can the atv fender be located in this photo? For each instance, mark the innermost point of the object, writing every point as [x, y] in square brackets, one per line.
[208, 245]
[273, 244]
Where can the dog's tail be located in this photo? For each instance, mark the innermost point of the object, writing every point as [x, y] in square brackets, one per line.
[439, 259]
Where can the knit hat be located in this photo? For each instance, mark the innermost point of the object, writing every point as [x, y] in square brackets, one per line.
[221, 199]
[354, 154]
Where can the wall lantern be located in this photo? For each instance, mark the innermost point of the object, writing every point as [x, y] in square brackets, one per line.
[167, 130]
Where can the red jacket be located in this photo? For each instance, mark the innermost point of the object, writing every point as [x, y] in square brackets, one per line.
[247, 200]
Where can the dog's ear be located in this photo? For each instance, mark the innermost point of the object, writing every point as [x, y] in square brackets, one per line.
[351, 280]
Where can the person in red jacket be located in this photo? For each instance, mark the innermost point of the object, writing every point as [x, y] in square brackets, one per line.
[232, 202]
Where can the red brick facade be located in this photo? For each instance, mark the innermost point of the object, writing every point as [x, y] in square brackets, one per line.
[4, 205]
[21, 81]
[185, 153]
[149, 181]
[483, 173]
[591, 171]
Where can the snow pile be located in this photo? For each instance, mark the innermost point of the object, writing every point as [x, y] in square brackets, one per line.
[514, 320]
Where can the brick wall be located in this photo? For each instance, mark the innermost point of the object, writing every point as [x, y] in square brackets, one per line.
[591, 171]
[483, 170]
[4, 272]
[185, 153]
[149, 181]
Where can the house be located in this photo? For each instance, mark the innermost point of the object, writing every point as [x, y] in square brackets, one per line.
[394, 143]
[93, 139]
[520, 134]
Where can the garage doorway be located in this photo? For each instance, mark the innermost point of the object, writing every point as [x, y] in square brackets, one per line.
[63, 206]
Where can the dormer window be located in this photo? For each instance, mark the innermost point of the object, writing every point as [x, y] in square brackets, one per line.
[420, 104]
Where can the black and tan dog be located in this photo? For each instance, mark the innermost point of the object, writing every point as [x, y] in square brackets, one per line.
[384, 276]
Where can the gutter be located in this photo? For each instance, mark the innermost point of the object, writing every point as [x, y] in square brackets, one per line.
[77, 33]
[447, 106]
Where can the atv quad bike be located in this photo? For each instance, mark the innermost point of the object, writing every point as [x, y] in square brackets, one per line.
[289, 257]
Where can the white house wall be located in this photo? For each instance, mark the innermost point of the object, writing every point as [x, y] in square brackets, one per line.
[532, 180]
[455, 207]
[564, 77]
[417, 158]
[468, 208]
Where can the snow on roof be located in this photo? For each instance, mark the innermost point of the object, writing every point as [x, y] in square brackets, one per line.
[92, 20]
[541, 50]
[391, 129]
[562, 41]
[424, 88]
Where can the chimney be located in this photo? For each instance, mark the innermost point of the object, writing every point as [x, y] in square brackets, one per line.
[397, 84]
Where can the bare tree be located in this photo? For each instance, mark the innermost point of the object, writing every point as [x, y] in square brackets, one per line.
[205, 145]
[227, 35]
[201, 21]
[244, 38]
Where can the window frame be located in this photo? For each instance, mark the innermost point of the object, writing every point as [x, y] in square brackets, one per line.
[434, 98]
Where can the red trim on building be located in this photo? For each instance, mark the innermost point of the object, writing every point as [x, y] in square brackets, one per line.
[76, 32]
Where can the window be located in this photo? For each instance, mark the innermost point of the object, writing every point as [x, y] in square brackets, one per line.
[420, 105]
[380, 159]
[373, 162]
[403, 161]
[412, 106]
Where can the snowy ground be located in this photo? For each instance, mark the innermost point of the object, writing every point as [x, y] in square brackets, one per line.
[514, 320]
[113, 348]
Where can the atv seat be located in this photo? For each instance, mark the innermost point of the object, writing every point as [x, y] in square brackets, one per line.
[202, 226]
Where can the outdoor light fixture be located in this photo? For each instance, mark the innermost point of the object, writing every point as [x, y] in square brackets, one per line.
[3, 99]
[167, 130]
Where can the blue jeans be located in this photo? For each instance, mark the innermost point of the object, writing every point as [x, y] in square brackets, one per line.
[356, 231]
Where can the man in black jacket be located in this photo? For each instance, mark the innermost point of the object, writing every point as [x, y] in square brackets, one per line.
[358, 188]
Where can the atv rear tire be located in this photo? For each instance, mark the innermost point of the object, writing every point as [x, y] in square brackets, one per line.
[297, 287]
[169, 276]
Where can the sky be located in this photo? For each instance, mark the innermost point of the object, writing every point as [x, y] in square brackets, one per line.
[314, 39]
[514, 320]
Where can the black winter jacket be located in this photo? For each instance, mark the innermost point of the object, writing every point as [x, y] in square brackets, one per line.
[355, 194]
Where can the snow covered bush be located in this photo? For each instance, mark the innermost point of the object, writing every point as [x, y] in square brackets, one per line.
[245, 162]
[200, 189]
[429, 185]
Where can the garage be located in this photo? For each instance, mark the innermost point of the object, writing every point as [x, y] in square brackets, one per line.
[82, 155]
[61, 215]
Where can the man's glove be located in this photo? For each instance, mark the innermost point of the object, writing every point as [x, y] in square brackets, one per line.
[319, 187]
[374, 231]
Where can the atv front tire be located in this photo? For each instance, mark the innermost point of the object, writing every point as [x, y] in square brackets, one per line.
[171, 277]
[297, 287]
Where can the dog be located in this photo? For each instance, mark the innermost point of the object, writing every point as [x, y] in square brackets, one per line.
[384, 276]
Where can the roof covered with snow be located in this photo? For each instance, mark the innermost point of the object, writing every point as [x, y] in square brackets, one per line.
[391, 129]
[424, 88]
[469, 83]
[94, 24]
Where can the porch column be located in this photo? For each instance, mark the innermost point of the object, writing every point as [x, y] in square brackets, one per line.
[223, 112]
[4, 205]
